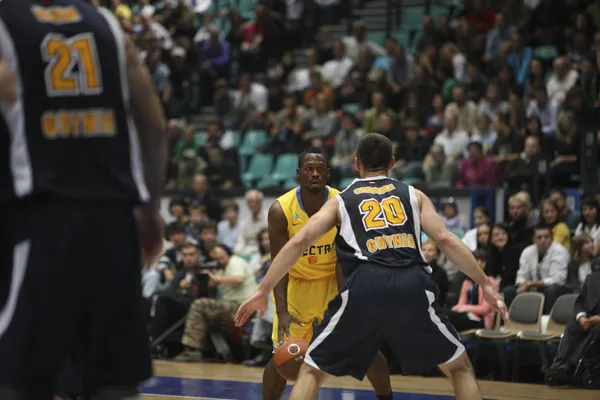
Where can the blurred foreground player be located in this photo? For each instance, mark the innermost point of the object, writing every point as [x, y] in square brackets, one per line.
[389, 295]
[303, 293]
[82, 143]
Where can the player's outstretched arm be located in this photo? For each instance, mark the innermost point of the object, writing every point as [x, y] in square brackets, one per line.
[456, 251]
[318, 225]
[150, 123]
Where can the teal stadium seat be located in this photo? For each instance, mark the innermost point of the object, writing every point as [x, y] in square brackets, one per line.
[412, 18]
[352, 108]
[460, 232]
[285, 167]
[260, 166]
[252, 141]
[403, 37]
[237, 138]
[377, 38]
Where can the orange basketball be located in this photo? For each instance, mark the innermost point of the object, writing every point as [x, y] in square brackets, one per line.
[289, 357]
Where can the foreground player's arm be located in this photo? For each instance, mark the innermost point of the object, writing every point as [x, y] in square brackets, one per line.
[449, 243]
[318, 225]
[8, 85]
[150, 123]
[278, 237]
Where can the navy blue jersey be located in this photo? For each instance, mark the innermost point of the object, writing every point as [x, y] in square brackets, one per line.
[380, 225]
[70, 134]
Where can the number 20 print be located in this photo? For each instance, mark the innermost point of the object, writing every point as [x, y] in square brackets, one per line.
[382, 214]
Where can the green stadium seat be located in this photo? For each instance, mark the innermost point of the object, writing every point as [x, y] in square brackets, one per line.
[403, 37]
[285, 167]
[460, 232]
[237, 138]
[352, 108]
[260, 166]
[377, 38]
[246, 8]
[412, 17]
[344, 183]
[200, 138]
[252, 141]
[412, 180]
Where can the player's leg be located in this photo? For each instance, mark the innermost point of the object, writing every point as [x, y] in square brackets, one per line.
[117, 356]
[273, 384]
[309, 381]
[462, 376]
[379, 377]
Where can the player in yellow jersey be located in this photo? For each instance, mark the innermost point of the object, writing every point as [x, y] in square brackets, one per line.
[302, 295]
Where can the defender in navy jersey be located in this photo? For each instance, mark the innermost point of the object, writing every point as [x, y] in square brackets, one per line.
[82, 142]
[388, 296]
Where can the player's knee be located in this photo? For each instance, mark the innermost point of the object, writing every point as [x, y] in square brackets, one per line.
[307, 370]
[461, 365]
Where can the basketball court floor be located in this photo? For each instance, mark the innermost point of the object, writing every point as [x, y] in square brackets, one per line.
[179, 381]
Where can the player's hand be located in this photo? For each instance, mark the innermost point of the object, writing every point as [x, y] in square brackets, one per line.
[150, 226]
[492, 297]
[284, 320]
[259, 301]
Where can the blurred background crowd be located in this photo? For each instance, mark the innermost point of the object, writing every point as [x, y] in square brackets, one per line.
[501, 94]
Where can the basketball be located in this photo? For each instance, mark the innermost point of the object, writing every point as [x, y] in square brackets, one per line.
[289, 357]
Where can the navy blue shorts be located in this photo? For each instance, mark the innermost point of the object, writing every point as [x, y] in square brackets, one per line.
[378, 305]
[70, 289]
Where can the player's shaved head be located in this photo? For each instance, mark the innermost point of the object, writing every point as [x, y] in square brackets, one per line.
[374, 152]
[309, 152]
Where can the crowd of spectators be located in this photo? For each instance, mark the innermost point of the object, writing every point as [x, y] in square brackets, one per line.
[475, 99]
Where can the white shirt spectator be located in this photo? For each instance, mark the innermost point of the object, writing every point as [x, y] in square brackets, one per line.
[594, 231]
[227, 234]
[452, 143]
[334, 71]
[470, 239]
[548, 115]
[247, 242]
[557, 89]
[258, 98]
[352, 47]
[300, 78]
[552, 269]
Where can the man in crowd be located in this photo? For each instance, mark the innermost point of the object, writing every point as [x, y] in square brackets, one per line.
[235, 283]
[542, 268]
[247, 242]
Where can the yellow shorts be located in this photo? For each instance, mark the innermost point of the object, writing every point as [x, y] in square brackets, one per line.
[307, 300]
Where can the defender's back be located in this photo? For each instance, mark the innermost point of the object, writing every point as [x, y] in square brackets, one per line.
[380, 224]
[70, 133]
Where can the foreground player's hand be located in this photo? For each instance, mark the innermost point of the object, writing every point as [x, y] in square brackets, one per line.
[259, 301]
[150, 226]
[284, 320]
[492, 297]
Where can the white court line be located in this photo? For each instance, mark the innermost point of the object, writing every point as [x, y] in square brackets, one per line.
[183, 397]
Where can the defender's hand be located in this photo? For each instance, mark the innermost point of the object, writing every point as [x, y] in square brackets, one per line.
[259, 301]
[493, 298]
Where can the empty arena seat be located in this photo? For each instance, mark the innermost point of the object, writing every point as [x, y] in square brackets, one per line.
[252, 141]
[260, 166]
[285, 167]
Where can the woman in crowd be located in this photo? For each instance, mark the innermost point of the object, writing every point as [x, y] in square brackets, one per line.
[560, 230]
[590, 219]
[472, 311]
[438, 274]
[503, 261]
[260, 262]
[481, 215]
[580, 265]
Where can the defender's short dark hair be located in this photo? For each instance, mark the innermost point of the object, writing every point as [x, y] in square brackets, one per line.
[374, 152]
[311, 150]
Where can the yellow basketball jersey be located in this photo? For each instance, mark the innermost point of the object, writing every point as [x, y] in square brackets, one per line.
[319, 260]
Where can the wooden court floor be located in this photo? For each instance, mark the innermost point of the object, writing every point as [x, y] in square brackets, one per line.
[211, 381]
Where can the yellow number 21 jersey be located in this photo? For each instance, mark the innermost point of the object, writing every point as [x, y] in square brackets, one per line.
[319, 260]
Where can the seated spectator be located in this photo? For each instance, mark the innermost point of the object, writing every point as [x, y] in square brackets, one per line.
[516, 113]
[197, 219]
[475, 82]
[563, 79]
[410, 113]
[589, 81]
[542, 268]
[533, 214]
[520, 172]
[453, 140]
[301, 79]
[286, 127]
[230, 228]
[580, 333]
[483, 236]
[560, 230]
[582, 248]
[537, 77]
[567, 148]
[590, 219]
[465, 110]
[358, 79]
[202, 194]
[372, 115]
[565, 214]
[508, 144]
[401, 67]
[519, 58]
[478, 169]
[484, 133]
[438, 274]
[357, 41]
[317, 87]
[250, 102]
[519, 228]
[492, 104]
[319, 122]
[450, 53]
[472, 311]
[545, 109]
[252, 50]
[222, 172]
[409, 154]
[435, 120]
[501, 33]
[260, 261]
[440, 171]
[449, 213]
[254, 223]
[503, 256]
[214, 57]
[344, 148]
[235, 283]
[481, 215]
[334, 71]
